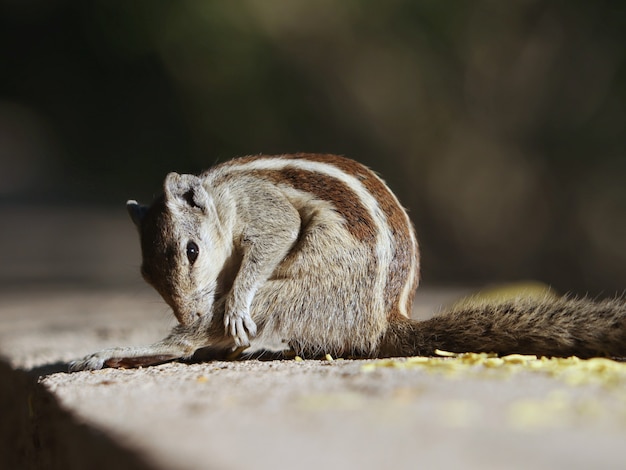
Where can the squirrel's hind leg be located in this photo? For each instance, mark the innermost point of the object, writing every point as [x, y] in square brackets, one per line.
[182, 342]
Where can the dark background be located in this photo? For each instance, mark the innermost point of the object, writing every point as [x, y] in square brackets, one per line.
[501, 125]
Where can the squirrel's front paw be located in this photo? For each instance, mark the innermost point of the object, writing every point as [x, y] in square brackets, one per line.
[239, 325]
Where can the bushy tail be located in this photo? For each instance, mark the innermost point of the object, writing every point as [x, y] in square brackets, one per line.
[548, 327]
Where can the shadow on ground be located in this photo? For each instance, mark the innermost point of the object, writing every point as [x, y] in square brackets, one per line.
[36, 432]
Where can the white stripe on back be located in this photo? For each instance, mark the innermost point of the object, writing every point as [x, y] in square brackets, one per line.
[385, 243]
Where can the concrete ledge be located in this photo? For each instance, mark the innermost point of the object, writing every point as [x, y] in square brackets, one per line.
[269, 414]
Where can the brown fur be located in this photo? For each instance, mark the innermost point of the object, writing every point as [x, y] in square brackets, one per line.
[358, 221]
[396, 219]
[405, 253]
[548, 327]
[317, 251]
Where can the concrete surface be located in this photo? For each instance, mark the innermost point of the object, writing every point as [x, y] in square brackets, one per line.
[272, 414]
[69, 285]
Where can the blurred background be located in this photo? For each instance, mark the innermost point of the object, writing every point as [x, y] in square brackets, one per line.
[500, 125]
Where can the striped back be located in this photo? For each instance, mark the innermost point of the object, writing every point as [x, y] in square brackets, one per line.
[372, 213]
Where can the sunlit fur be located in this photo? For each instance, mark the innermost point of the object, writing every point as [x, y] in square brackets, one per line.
[316, 251]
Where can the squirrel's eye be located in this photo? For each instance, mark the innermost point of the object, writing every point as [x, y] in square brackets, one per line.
[192, 252]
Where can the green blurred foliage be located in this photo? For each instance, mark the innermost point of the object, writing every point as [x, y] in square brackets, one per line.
[501, 125]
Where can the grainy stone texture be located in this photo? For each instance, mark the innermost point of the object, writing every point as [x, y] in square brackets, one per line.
[270, 414]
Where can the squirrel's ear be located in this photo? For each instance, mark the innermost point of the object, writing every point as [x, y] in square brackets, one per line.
[187, 189]
[136, 211]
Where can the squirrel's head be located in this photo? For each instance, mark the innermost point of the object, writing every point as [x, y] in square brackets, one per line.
[180, 243]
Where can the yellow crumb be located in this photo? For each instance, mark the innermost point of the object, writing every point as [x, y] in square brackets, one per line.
[571, 370]
[439, 352]
[519, 358]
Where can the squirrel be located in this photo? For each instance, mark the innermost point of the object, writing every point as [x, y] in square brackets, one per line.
[317, 251]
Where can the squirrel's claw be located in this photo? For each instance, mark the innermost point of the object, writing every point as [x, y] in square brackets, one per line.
[239, 325]
[106, 358]
[91, 362]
